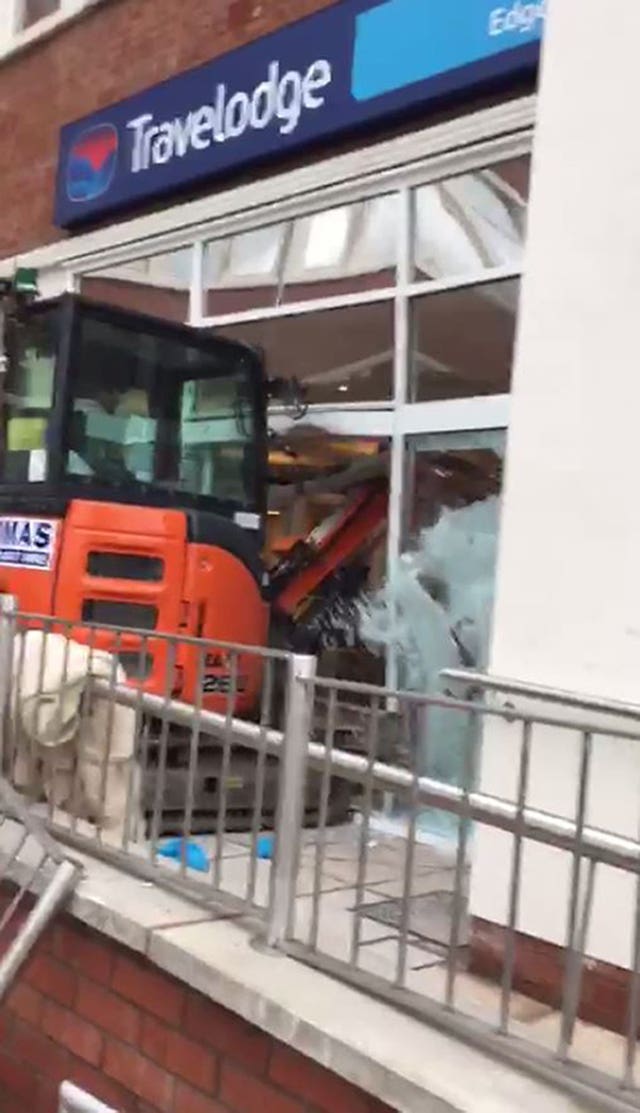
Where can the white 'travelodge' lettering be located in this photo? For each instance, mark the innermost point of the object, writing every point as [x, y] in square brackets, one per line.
[138, 127]
[520, 16]
[281, 98]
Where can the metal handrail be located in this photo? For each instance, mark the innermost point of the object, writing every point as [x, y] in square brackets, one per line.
[70, 626]
[296, 750]
[450, 703]
[54, 875]
[540, 826]
[512, 687]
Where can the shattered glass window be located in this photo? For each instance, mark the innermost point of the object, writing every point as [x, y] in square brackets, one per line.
[435, 612]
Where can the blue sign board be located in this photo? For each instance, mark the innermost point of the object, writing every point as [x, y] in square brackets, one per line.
[357, 63]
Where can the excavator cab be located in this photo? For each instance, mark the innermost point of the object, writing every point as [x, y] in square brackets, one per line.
[133, 463]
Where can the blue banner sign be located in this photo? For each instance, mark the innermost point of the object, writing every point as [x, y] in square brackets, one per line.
[357, 63]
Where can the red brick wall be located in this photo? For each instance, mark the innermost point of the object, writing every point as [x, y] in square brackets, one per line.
[118, 49]
[539, 971]
[92, 1012]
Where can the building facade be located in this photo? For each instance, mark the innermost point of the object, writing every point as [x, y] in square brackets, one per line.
[361, 223]
[272, 172]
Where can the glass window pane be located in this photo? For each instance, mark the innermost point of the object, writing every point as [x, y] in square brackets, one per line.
[242, 272]
[321, 480]
[153, 409]
[255, 253]
[327, 239]
[344, 250]
[341, 250]
[28, 399]
[35, 10]
[217, 427]
[340, 355]
[159, 285]
[471, 222]
[436, 612]
[462, 341]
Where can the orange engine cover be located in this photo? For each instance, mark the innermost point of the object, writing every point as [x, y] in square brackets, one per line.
[133, 568]
[226, 606]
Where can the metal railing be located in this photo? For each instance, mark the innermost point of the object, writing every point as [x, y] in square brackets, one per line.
[389, 913]
[149, 773]
[418, 957]
[31, 862]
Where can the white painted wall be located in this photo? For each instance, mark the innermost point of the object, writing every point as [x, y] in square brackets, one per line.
[568, 595]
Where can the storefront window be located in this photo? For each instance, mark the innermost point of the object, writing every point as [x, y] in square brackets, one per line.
[472, 222]
[158, 285]
[346, 250]
[462, 341]
[343, 250]
[444, 587]
[332, 484]
[339, 355]
[435, 611]
[318, 295]
[243, 272]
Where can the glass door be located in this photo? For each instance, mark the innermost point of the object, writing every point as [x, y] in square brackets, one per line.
[435, 611]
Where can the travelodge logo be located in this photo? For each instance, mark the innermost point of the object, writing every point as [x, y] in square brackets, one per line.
[92, 163]
[354, 63]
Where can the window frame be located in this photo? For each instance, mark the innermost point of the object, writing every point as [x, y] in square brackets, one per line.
[14, 35]
[20, 15]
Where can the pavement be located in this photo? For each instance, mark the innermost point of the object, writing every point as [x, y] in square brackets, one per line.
[371, 914]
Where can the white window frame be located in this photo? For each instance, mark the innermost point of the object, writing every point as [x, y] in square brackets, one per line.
[427, 155]
[13, 36]
[20, 11]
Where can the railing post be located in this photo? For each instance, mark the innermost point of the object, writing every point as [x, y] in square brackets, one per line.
[8, 611]
[290, 813]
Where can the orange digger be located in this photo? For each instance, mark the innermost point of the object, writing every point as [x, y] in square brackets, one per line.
[133, 492]
[132, 487]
